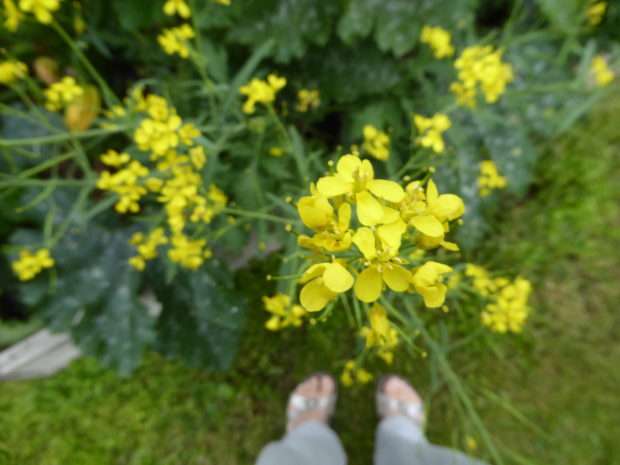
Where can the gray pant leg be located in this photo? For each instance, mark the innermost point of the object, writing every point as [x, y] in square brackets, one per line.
[400, 441]
[311, 443]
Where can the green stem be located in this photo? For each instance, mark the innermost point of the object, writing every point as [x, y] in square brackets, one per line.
[258, 215]
[108, 95]
[61, 137]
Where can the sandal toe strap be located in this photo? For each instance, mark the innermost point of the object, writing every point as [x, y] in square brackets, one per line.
[299, 404]
[412, 410]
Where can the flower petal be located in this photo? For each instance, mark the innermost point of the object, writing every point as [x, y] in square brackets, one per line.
[314, 296]
[431, 191]
[347, 166]
[388, 190]
[364, 239]
[344, 216]
[434, 297]
[337, 278]
[314, 271]
[369, 210]
[331, 186]
[368, 285]
[448, 206]
[396, 277]
[427, 225]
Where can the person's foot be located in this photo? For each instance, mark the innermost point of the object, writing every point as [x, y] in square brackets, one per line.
[395, 396]
[313, 399]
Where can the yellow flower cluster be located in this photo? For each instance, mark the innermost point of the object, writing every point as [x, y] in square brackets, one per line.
[431, 130]
[129, 182]
[41, 9]
[595, 12]
[509, 307]
[481, 66]
[61, 93]
[376, 143]
[380, 334]
[283, 314]
[307, 99]
[175, 179]
[146, 247]
[29, 265]
[174, 40]
[439, 41]
[490, 178]
[11, 71]
[351, 374]
[601, 72]
[387, 214]
[259, 91]
[172, 7]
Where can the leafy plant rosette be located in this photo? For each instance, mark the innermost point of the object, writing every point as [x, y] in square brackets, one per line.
[165, 189]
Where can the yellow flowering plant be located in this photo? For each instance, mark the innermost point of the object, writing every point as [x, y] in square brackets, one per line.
[354, 163]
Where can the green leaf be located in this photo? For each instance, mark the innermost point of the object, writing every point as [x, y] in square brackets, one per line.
[365, 71]
[566, 15]
[202, 318]
[510, 149]
[293, 24]
[397, 23]
[95, 296]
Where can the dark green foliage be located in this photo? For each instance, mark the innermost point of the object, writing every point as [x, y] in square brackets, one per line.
[201, 319]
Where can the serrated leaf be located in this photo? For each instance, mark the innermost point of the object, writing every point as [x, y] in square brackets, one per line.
[511, 150]
[95, 296]
[366, 71]
[201, 319]
[397, 23]
[293, 24]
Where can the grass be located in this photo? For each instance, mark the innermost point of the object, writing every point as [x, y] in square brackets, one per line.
[547, 397]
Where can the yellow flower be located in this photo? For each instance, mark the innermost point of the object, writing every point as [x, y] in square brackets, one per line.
[323, 282]
[595, 12]
[376, 143]
[602, 74]
[283, 313]
[380, 251]
[483, 67]
[115, 159]
[198, 157]
[29, 265]
[13, 15]
[41, 9]
[259, 91]
[510, 309]
[307, 99]
[427, 281]
[351, 374]
[490, 178]
[429, 213]
[172, 7]
[431, 130]
[146, 247]
[222, 2]
[61, 93]
[11, 71]
[439, 40]
[174, 40]
[276, 152]
[355, 179]
[188, 253]
[127, 184]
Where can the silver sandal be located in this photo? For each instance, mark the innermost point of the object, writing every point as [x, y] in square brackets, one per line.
[298, 404]
[385, 404]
